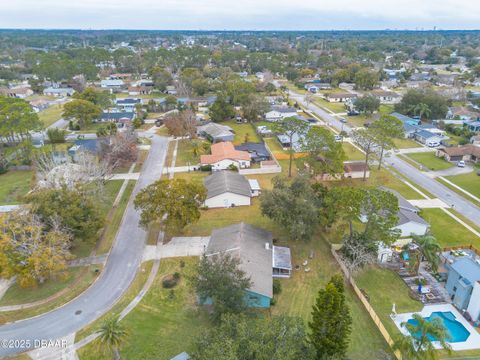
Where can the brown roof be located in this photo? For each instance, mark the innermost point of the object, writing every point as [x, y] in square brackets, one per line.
[224, 150]
[354, 166]
[341, 95]
[380, 92]
[469, 149]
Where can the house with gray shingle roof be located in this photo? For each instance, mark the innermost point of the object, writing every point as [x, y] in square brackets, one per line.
[227, 189]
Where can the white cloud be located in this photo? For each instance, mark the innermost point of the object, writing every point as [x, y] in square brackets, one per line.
[241, 14]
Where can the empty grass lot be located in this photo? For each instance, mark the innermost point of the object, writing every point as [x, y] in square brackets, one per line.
[185, 154]
[241, 131]
[14, 185]
[51, 114]
[447, 230]
[165, 323]
[352, 152]
[429, 161]
[469, 182]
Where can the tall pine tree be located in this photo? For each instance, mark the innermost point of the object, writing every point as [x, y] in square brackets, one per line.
[331, 321]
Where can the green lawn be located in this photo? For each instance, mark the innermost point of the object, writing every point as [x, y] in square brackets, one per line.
[332, 106]
[165, 323]
[241, 131]
[18, 295]
[405, 143]
[14, 185]
[51, 114]
[469, 182]
[447, 230]
[429, 161]
[387, 179]
[185, 153]
[383, 288]
[352, 152]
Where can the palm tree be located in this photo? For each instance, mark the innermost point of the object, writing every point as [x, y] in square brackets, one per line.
[419, 345]
[421, 110]
[428, 249]
[112, 335]
[196, 149]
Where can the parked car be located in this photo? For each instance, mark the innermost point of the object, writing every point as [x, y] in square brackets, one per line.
[433, 144]
[461, 163]
[343, 120]
[338, 137]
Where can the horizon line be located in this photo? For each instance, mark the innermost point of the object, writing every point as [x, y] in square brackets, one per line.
[240, 30]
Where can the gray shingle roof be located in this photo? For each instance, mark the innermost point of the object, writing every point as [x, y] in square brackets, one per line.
[467, 268]
[248, 244]
[215, 130]
[402, 202]
[227, 181]
[282, 257]
[405, 216]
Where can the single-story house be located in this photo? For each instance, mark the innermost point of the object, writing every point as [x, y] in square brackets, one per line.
[355, 169]
[467, 152]
[216, 132]
[253, 247]
[171, 90]
[19, 92]
[259, 259]
[223, 155]
[406, 119]
[386, 97]
[84, 145]
[278, 113]
[227, 189]
[461, 113]
[118, 116]
[264, 130]
[128, 104]
[39, 104]
[340, 97]
[425, 136]
[57, 92]
[112, 84]
[473, 125]
[139, 90]
[258, 151]
[285, 142]
[315, 87]
[463, 285]
[409, 222]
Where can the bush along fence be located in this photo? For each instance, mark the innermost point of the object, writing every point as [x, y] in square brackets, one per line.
[364, 300]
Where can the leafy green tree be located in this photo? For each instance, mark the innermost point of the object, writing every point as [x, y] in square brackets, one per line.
[367, 104]
[83, 111]
[291, 127]
[387, 129]
[76, 211]
[366, 139]
[331, 322]
[269, 338]
[100, 98]
[255, 107]
[200, 86]
[173, 203]
[112, 335]
[109, 129]
[161, 78]
[421, 109]
[324, 154]
[221, 110]
[17, 119]
[365, 79]
[437, 104]
[56, 136]
[220, 280]
[292, 205]
[428, 249]
[419, 346]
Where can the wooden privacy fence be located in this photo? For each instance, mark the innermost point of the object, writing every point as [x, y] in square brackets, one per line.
[365, 302]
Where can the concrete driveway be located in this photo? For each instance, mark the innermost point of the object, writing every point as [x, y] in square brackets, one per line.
[178, 247]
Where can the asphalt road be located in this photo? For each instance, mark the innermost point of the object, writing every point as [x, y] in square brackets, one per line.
[458, 203]
[120, 270]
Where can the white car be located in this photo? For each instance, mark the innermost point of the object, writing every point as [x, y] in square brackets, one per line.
[433, 144]
[338, 137]
[461, 163]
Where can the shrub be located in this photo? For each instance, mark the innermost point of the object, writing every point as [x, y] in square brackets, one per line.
[277, 287]
[182, 263]
[273, 301]
[170, 281]
[206, 168]
[176, 276]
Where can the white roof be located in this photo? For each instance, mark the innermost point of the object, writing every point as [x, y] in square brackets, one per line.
[254, 185]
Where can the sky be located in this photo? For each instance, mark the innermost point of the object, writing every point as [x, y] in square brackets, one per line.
[241, 14]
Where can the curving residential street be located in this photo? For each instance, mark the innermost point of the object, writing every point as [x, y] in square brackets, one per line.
[120, 270]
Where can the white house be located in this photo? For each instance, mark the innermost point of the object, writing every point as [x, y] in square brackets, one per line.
[224, 155]
[51, 91]
[278, 113]
[112, 84]
[227, 189]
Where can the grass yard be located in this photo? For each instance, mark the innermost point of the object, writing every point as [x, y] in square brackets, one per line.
[14, 185]
[352, 152]
[241, 131]
[51, 114]
[165, 323]
[383, 288]
[429, 161]
[385, 178]
[447, 230]
[163, 131]
[332, 106]
[83, 283]
[185, 154]
[405, 143]
[469, 182]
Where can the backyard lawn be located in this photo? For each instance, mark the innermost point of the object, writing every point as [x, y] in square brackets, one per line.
[469, 182]
[51, 114]
[241, 131]
[352, 152]
[447, 230]
[13, 185]
[429, 161]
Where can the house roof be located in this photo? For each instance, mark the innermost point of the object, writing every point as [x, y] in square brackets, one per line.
[468, 149]
[117, 115]
[91, 145]
[406, 216]
[282, 257]
[402, 202]
[257, 148]
[283, 109]
[254, 185]
[354, 166]
[110, 82]
[215, 130]
[380, 92]
[221, 182]
[58, 90]
[467, 269]
[405, 118]
[425, 134]
[249, 244]
[128, 101]
[222, 151]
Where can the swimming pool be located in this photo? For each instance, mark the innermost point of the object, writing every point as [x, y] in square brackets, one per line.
[456, 331]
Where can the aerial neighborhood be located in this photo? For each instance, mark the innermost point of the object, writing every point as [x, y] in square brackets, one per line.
[240, 195]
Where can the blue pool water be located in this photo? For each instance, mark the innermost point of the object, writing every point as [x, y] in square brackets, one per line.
[456, 331]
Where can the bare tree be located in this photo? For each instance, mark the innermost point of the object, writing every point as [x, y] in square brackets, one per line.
[181, 123]
[121, 149]
[356, 255]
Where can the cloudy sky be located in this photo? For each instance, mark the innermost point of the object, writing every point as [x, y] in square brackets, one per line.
[241, 14]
